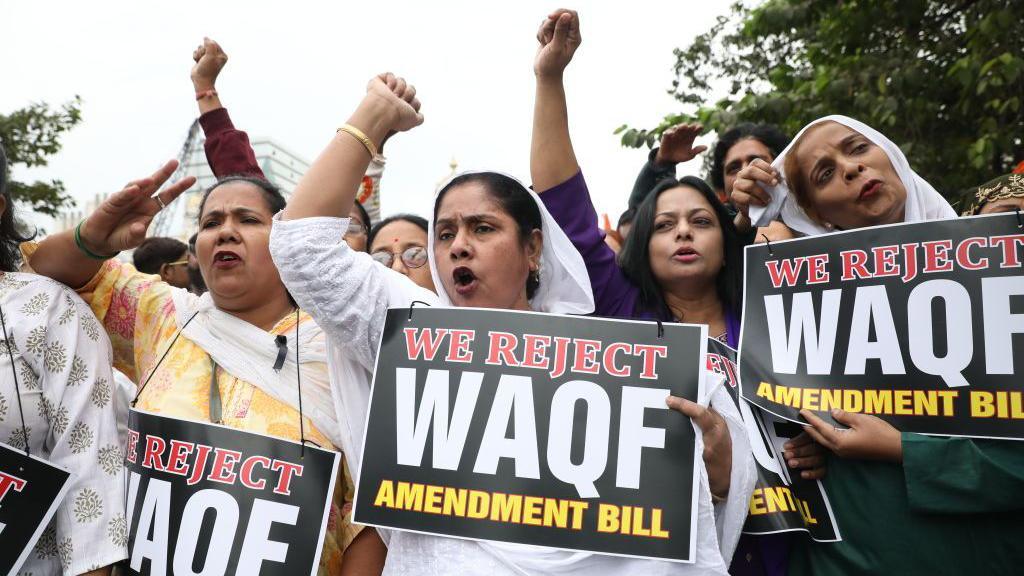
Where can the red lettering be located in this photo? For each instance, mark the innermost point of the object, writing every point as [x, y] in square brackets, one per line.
[609, 359]
[459, 349]
[785, 272]
[176, 457]
[561, 356]
[650, 354]
[155, 446]
[224, 462]
[535, 349]
[133, 441]
[936, 256]
[1009, 245]
[585, 360]
[816, 272]
[426, 342]
[8, 482]
[854, 265]
[501, 349]
[199, 466]
[963, 254]
[885, 261]
[284, 481]
[245, 473]
[909, 261]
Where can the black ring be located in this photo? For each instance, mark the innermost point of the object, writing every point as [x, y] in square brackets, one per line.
[769, 244]
[413, 305]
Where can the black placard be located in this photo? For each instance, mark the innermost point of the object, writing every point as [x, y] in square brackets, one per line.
[921, 324]
[553, 431]
[775, 506]
[202, 496]
[31, 489]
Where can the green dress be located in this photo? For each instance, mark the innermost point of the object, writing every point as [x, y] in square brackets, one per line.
[955, 506]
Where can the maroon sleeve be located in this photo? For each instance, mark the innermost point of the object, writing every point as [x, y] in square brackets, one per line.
[227, 149]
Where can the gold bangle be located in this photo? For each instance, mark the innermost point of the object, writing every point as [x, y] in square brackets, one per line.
[358, 135]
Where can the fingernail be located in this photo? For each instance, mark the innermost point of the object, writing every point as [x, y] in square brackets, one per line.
[787, 445]
[805, 474]
[837, 412]
[787, 454]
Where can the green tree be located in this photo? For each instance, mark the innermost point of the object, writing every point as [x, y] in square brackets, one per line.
[31, 135]
[943, 79]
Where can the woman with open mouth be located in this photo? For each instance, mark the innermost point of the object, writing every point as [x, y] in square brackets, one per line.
[955, 501]
[210, 358]
[492, 244]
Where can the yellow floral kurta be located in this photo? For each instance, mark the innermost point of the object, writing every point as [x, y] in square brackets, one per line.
[137, 311]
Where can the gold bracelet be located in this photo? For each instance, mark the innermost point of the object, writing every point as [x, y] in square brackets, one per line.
[358, 135]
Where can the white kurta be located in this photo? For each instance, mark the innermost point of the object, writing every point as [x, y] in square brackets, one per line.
[63, 360]
[348, 294]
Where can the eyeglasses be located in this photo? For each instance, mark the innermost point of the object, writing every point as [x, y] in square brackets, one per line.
[355, 228]
[412, 257]
[178, 263]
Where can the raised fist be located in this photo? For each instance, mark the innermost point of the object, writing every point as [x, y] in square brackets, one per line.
[210, 59]
[559, 37]
[399, 97]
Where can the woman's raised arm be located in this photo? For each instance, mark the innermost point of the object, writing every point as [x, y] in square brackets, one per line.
[552, 159]
[73, 257]
[329, 186]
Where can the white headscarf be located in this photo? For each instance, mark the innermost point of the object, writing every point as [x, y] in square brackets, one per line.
[248, 353]
[923, 202]
[564, 283]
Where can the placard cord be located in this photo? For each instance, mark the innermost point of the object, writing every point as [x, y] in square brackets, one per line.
[298, 383]
[8, 343]
[160, 361]
[769, 244]
[1020, 223]
[413, 305]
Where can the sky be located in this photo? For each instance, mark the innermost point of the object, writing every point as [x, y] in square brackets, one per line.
[296, 71]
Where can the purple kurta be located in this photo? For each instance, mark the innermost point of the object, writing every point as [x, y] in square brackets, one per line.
[616, 296]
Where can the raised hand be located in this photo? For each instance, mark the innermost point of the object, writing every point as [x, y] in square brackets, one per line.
[677, 145]
[398, 98]
[747, 189]
[121, 221]
[559, 37]
[209, 61]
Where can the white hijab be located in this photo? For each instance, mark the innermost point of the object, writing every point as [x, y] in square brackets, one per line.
[248, 353]
[923, 202]
[564, 283]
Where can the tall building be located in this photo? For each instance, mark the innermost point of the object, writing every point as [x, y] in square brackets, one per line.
[179, 220]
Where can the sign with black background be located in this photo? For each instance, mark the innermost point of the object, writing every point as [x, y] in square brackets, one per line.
[920, 324]
[800, 506]
[31, 490]
[206, 497]
[495, 418]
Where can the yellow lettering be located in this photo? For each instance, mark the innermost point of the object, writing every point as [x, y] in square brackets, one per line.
[385, 494]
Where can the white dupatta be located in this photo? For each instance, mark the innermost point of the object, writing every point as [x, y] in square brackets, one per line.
[249, 353]
[923, 201]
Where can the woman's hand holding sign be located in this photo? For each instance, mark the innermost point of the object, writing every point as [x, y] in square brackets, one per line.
[804, 454]
[717, 442]
[868, 437]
